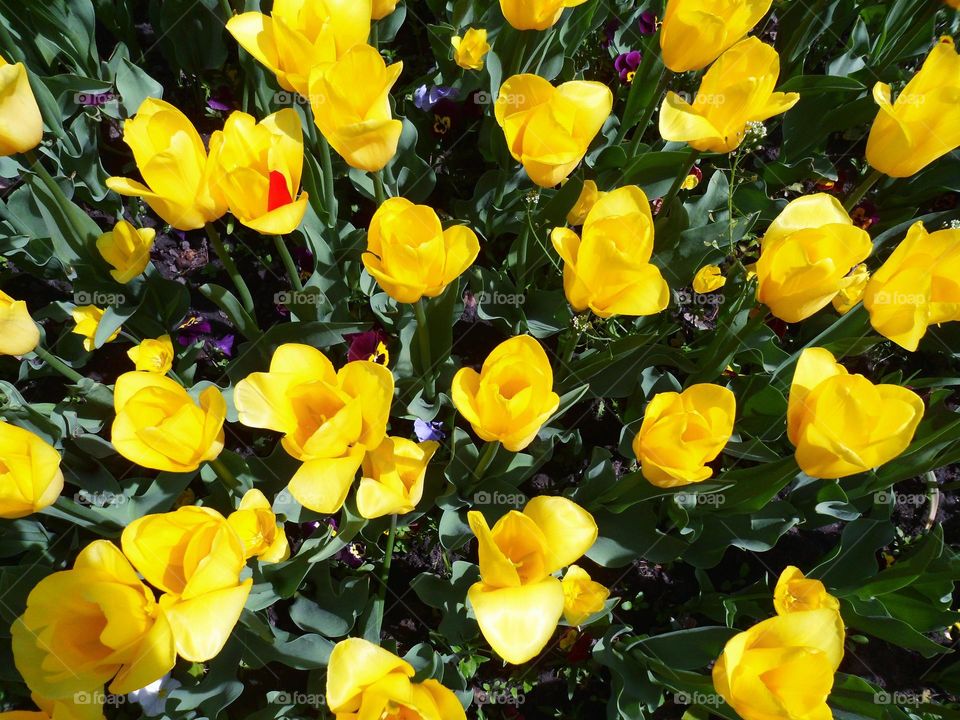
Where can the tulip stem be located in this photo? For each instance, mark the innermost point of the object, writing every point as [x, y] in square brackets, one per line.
[486, 457]
[228, 479]
[329, 200]
[288, 263]
[218, 247]
[58, 364]
[862, 189]
[387, 559]
[227, 10]
[423, 334]
[378, 190]
[678, 181]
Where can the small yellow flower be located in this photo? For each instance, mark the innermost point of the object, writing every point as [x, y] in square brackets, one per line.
[796, 593]
[708, 279]
[257, 526]
[468, 51]
[392, 478]
[589, 196]
[582, 597]
[127, 249]
[690, 182]
[849, 296]
[153, 355]
[87, 319]
[19, 334]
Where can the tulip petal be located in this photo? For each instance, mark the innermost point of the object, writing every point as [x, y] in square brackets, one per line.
[518, 621]
[201, 626]
[570, 531]
[322, 485]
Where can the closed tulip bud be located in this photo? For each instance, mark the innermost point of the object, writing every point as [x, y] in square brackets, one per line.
[21, 126]
[392, 479]
[30, 476]
[127, 249]
[258, 169]
[518, 602]
[850, 295]
[782, 668]
[708, 279]
[589, 196]
[468, 51]
[300, 36]
[806, 257]
[174, 164]
[256, 524]
[93, 624]
[582, 597]
[154, 356]
[87, 319]
[608, 270]
[351, 106]
[695, 33]
[194, 557]
[364, 680]
[549, 129]
[19, 334]
[916, 287]
[923, 123]
[411, 256]
[329, 419]
[735, 91]
[535, 14]
[796, 593]
[511, 397]
[843, 424]
[682, 432]
[159, 426]
[382, 8]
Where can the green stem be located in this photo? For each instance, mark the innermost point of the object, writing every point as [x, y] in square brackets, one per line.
[378, 189]
[571, 345]
[862, 189]
[388, 557]
[730, 190]
[678, 181]
[486, 457]
[227, 10]
[374, 34]
[66, 206]
[423, 333]
[246, 298]
[329, 200]
[58, 364]
[228, 479]
[288, 263]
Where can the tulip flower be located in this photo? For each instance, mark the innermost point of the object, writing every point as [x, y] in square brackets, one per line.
[549, 129]
[708, 279]
[843, 424]
[87, 319]
[159, 426]
[916, 287]
[608, 270]
[21, 125]
[257, 527]
[806, 257]
[518, 602]
[782, 668]
[735, 91]
[127, 249]
[682, 432]
[392, 479]
[535, 14]
[299, 36]
[92, 624]
[154, 356]
[329, 419]
[382, 8]
[81, 706]
[923, 123]
[194, 557]
[589, 195]
[411, 256]
[258, 168]
[364, 680]
[468, 51]
[582, 597]
[351, 106]
[511, 397]
[174, 164]
[695, 33]
[30, 476]
[19, 334]
[849, 296]
[796, 593]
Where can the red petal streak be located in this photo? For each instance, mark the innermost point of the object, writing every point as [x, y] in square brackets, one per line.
[279, 195]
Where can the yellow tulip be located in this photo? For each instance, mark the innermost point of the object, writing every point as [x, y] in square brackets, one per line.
[154, 356]
[549, 129]
[411, 256]
[351, 106]
[30, 476]
[258, 168]
[850, 295]
[300, 36]
[392, 479]
[796, 593]
[257, 527]
[364, 680]
[93, 624]
[194, 557]
[174, 164]
[582, 597]
[468, 51]
[329, 419]
[535, 14]
[127, 249]
[696, 32]
[843, 424]
[916, 287]
[735, 91]
[923, 123]
[82, 706]
[518, 602]
[511, 397]
[608, 270]
[682, 432]
[382, 8]
[589, 196]
[806, 257]
[708, 279]
[159, 426]
[87, 319]
[19, 334]
[782, 668]
[21, 125]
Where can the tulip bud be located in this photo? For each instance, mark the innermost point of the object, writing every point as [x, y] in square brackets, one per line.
[796, 593]
[582, 597]
[468, 51]
[694, 33]
[154, 356]
[21, 125]
[30, 476]
[19, 334]
[87, 319]
[708, 279]
[127, 249]
[257, 527]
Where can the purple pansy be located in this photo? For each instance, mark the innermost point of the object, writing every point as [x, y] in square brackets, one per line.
[626, 65]
[428, 430]
[426, 97]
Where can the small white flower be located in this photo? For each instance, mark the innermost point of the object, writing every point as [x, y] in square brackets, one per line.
[153, 697]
